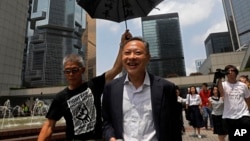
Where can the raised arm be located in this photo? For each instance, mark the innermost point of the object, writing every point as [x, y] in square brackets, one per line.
[47, 130]
[117, 67]
[220, 87]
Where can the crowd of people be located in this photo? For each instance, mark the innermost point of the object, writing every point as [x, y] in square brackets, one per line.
[226, 105]
[140, 106]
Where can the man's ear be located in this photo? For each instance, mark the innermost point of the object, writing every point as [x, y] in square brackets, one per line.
[83, 69]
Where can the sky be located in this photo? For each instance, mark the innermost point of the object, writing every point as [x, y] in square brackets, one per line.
[198, 18]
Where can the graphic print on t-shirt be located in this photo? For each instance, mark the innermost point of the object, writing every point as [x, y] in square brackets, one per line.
[236, 93]
[83, 112]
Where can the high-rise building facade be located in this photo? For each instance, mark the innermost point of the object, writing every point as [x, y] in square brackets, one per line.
[218, 43]
[237, 14]
[89, 40]
[13, 21]
[57, 30]
[165, 44]
[198, 63]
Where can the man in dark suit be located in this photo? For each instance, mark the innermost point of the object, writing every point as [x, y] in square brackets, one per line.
[140, 106]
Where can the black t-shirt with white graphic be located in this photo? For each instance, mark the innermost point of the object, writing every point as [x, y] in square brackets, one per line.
[81, 109]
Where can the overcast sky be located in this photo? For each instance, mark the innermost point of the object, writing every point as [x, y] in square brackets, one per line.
[198, 18]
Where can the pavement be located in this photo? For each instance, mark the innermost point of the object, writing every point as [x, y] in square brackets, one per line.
[207, 135]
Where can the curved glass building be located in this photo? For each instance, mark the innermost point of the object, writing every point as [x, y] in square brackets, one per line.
[57, 27]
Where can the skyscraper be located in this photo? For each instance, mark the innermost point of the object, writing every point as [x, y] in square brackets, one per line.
[165, 44]
[89, 40]
[198, 63]
[58, 26]
[13, 21]
[218, 43]
[237, 14]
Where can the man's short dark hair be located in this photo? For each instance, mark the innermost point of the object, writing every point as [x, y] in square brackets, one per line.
[204, 84]
[146, 44]
[233, 67]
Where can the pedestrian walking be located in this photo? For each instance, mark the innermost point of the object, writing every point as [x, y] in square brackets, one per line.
[193, 104]
[217, 105]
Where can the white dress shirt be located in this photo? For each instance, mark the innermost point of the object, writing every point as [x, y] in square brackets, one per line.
[138, 121]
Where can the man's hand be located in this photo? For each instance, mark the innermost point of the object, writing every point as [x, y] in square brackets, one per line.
[125, 37]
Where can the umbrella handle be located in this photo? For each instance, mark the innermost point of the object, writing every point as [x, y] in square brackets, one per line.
[123, 6]
[126, 24]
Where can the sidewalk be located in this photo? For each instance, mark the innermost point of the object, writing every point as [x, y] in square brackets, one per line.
[207, 135]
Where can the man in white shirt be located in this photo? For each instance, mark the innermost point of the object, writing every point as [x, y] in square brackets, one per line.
[236, 105]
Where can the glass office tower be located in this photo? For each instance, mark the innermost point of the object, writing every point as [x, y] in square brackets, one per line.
[218, 43]
[57, 29]
[237, 14]
[165, 44]
[13, 21]
[89, 39]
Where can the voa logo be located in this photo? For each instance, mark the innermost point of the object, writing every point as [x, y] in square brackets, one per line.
[240, 132]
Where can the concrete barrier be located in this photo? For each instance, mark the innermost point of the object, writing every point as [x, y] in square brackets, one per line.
[31, 134]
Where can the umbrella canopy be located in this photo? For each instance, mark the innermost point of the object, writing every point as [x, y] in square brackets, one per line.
[118, 10]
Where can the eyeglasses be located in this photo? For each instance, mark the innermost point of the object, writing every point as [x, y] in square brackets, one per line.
[73, 71]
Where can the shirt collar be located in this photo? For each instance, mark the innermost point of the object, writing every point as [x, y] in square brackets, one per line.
[146, 81]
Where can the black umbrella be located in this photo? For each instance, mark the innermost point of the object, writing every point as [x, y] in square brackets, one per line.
[118, 10]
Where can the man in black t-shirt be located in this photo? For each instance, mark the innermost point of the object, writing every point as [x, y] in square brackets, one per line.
[80, 103]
